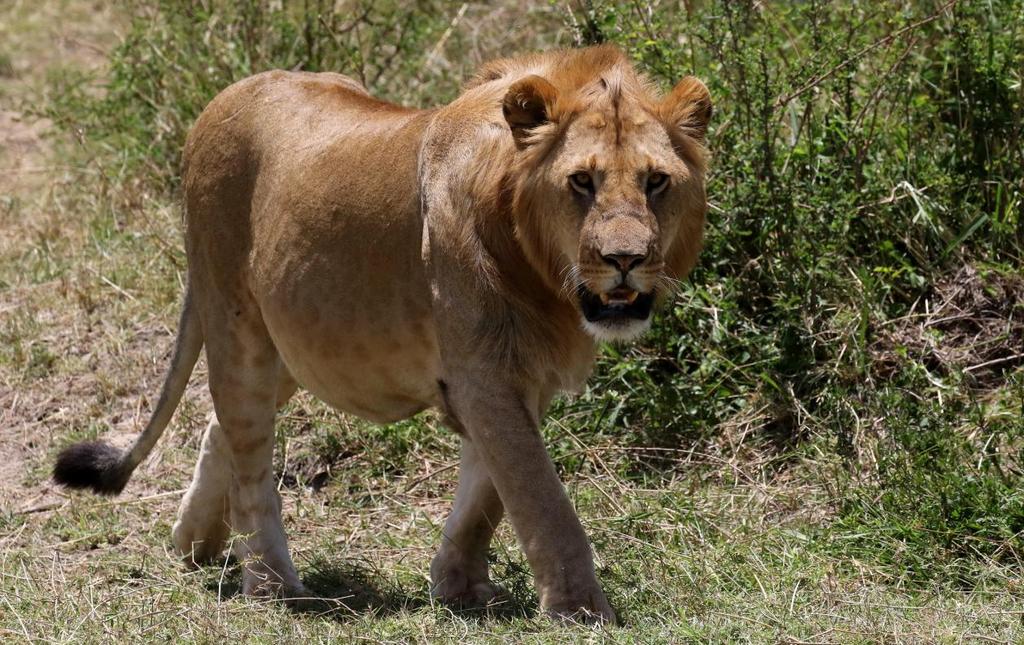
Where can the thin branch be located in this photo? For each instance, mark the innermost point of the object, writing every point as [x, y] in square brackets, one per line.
[817, 80]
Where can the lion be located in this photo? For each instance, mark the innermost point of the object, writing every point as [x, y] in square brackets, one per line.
[465, 258]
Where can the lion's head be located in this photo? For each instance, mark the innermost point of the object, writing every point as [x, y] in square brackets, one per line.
[608, 187]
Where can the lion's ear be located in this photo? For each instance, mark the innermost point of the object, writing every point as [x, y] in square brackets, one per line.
[688, 107]
[527, 104]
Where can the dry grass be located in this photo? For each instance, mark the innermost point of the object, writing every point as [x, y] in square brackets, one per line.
[973, 321]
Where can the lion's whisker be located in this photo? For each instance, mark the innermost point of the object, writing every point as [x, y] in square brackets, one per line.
[670, 284]
[571, 280]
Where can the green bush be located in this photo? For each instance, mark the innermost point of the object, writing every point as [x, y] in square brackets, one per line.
[179, 54]
[862, 151]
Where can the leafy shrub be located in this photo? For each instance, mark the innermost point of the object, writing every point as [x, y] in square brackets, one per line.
[861, 153]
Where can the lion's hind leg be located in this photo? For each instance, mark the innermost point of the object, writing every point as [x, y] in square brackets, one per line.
[204, 521]
[245, 378]
[202, 526]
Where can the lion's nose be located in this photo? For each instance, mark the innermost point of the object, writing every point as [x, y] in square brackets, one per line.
[623, 261]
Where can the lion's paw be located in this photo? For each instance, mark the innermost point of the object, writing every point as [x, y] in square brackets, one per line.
[477, 594]
[588, 609]
[259, 580]
[200, 544]
[451, 586]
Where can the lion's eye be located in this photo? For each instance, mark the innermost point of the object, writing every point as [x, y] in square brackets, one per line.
[582, 183]
[656, 182]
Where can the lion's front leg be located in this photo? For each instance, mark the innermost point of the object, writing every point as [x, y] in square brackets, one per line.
[459, 573]
[498, 420]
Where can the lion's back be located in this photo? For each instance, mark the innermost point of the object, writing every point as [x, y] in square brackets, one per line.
[258, 115]
[290, 145]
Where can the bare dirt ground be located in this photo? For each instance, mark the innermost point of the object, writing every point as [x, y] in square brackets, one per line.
[36, 394]
[38, 38]
[23, 149]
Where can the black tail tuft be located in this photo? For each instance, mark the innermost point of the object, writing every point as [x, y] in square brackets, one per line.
[91, 464]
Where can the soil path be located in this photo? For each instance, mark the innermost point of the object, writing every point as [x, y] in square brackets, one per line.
[38, 38]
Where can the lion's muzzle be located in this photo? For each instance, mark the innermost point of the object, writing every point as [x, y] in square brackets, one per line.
[617, 305]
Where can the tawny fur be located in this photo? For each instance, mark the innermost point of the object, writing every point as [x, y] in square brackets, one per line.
[389, 260]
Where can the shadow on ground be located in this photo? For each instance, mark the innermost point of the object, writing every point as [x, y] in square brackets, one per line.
[344, 591]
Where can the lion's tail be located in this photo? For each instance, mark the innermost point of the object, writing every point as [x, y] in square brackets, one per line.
[104, 468]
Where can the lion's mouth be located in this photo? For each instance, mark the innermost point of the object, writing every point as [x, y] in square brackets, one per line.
[620, 303]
